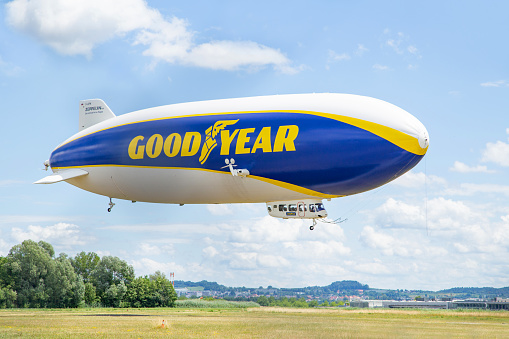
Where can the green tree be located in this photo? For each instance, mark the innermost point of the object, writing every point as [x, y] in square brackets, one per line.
[263, 300]
[4, 277]
[162, 292]
[65, 287]
[47, 247]
[138, 292]
[7, 298]
[29, 266]
[40, 280]
[313, 303]
[114, 295]
[301, 302]
[85, 263]
[111, 271]
[90, 297]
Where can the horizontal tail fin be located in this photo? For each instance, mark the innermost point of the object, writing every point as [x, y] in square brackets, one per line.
[62, 175]
[93, 111]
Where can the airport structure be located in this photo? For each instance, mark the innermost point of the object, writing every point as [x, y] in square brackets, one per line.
[497, 304]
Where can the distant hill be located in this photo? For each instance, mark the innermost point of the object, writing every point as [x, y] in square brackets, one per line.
[348, 288]
[477, 291]
[207, 285]
[347, 285]
[335, 286]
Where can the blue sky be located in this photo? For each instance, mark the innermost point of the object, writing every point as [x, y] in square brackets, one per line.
[445, 62]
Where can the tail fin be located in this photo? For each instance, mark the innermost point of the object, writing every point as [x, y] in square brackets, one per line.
[93, 111]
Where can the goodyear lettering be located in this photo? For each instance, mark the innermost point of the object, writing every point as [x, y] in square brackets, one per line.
[235, 141]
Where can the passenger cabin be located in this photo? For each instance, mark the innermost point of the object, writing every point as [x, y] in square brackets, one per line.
[297, 209]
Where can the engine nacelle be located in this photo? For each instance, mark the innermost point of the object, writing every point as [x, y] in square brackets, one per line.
[297, 209]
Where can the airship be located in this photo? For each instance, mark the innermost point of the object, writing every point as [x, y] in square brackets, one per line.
[288, 151]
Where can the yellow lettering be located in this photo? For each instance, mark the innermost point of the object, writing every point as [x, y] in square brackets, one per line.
[172, 144]
[154, 146]
[226, 141]
[263, 141]
[189, 149]
[135, 151]
[285, 138]
[242, 140]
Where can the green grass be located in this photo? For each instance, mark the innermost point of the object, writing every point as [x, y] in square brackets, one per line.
[216, 303]
[257, 322]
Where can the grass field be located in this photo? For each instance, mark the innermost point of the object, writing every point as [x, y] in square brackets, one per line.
[259, 322]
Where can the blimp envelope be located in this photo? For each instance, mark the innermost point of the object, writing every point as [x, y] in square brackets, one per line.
[256, 149]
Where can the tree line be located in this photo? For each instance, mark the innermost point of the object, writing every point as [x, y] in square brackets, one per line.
[32, 276]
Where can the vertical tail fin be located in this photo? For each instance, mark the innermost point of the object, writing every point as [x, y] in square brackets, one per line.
[93, 111]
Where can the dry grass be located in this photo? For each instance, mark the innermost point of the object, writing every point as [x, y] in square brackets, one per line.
[264, 322]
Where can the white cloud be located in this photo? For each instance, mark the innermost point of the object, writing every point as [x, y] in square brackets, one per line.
[77, 27]
[413, 179]
[267, 229]
[9, 69]
[394, 213]
[145, 249]
[361, 49]
[463, 168]
[146, 266]
[412, 49]
[497, 153]
[467, 189]
[379, 67]
[220, 209]
[61, 234]
[320, 249]
[210, 251]
[333, 56]
[498, 83]
[30, 219]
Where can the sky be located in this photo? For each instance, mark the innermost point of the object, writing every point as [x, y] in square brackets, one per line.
[443, 224]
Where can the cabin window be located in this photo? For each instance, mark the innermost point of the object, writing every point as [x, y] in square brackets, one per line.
[292, 207]
[283, 208]
[302, 208]
[270, 209]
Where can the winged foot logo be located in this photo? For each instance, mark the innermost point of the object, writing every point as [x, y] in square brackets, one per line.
[188, 144]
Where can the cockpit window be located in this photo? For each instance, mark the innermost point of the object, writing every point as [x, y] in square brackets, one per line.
[319, 207]
[311, 207]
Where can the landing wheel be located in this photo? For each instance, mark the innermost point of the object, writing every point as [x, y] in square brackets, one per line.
[311, 227]
[111, 204]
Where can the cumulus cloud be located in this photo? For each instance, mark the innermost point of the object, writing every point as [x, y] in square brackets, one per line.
[413, 179]
[220, 209]
[146, 266]
[61, 234]
[463, 168]
[77, 27]
[497, 153]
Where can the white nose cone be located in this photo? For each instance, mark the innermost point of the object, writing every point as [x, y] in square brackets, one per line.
[423, 139]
